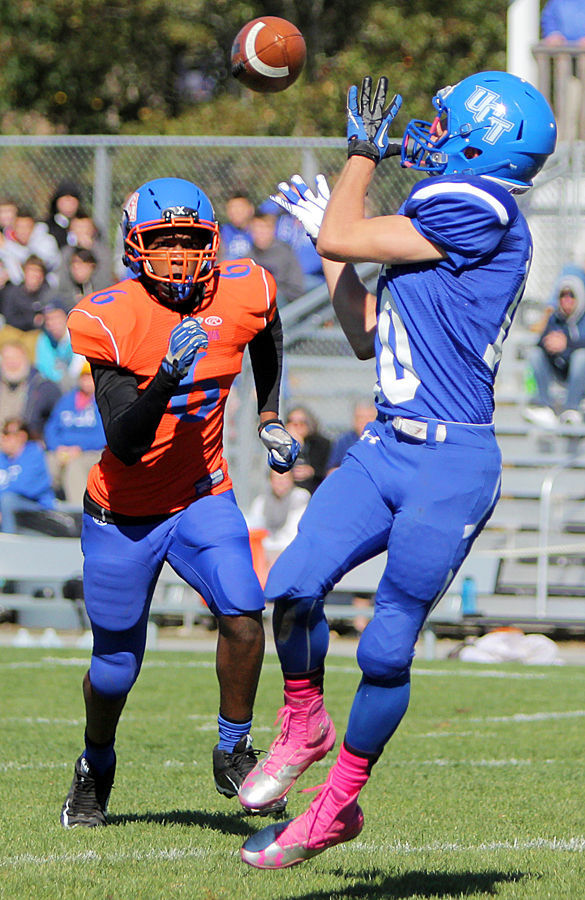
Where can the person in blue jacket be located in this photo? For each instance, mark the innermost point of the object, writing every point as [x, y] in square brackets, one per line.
[54, 356]
[75, 438]
[24, 476]
[563, 21]
[559, 354]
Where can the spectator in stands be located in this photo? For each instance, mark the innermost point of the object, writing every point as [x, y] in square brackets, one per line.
[311, 465]
[77, 276]
[75, 438]
[8, 209]
[278, 510]
[22, 304]
[291, 232]
[364, 411]
[559, 355]
[63, 207]
[54, 356]
[31, 238]
[562, 22]
[4, 282]
[85, 235]
[236, 239]
[24, 393]
[277, 257]
[24, 477]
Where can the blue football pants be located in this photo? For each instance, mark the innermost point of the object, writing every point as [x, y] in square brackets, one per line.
[207, 544]
[423, 502]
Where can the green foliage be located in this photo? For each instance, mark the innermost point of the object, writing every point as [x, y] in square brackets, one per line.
[122, 65]
[479, 794]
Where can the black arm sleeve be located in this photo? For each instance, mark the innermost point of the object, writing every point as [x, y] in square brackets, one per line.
[266, 358]
[130, 417]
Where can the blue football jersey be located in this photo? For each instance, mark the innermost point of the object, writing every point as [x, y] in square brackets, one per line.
[441, 325]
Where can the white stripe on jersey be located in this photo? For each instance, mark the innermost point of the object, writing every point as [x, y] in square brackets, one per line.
[267, 291]
[457, 187]
[104, 326]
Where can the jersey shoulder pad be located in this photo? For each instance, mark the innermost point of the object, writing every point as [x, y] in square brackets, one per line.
[255, 285]
[465, 214]
[103, 321]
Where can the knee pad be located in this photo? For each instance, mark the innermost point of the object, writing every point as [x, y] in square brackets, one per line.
[386, 647]
[113, 674]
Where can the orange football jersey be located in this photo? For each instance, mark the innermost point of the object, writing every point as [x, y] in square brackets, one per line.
[124, 326]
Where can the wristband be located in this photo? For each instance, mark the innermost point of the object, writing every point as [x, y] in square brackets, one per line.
[356, 147]
[269, 422]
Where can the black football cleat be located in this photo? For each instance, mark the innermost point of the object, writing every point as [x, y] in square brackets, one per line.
[230, 770]
[86, 803]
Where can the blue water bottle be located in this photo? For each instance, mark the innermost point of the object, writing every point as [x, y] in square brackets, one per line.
[468, 596]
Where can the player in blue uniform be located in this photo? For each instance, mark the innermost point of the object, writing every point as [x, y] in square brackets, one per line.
[425, 476]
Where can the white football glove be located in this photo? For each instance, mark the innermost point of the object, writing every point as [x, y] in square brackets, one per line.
[300, 201]
[282, 447]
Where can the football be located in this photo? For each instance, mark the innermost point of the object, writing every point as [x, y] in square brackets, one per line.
[268, 54]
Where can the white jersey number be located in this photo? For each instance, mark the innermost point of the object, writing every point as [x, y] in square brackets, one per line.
[493, 352]
[396, 390]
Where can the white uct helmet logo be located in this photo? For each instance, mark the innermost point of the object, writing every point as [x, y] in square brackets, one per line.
[132, 207]
[485, 104]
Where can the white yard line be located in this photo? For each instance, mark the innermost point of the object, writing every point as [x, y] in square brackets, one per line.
[398, 848]
[209, 722]
[565, 845]
[331, 667]
[531, 717]
[11, 765]
[171, 853]
[275, 667]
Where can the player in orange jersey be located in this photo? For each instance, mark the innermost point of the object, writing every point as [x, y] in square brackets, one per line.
[164, 348]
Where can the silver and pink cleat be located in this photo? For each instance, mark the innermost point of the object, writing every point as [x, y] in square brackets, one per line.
[332, 818]
[306, 735]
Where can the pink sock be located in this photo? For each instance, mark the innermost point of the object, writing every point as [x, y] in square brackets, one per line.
[301, 690]
[350, 772]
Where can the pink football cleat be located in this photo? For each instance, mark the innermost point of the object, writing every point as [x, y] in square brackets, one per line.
[307, 734]
[332, 818]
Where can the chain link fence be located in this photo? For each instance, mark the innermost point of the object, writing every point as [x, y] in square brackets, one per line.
[108, 169]
[321, 370]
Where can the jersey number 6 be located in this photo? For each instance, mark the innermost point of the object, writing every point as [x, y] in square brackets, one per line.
[183, 408]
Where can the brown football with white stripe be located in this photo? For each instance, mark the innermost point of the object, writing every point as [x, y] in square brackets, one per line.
[268, 54]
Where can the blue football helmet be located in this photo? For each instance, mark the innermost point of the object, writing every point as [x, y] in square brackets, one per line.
[492, 123]
[159, 212]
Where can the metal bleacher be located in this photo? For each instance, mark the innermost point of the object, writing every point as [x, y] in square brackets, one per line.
[527, 565]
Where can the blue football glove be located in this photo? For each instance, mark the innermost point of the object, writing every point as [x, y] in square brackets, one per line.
[187, 339]
[282, 448]
[368, 122]
[299, 201]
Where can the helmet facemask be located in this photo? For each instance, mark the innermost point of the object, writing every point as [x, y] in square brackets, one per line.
[423, 141]
[177, 254]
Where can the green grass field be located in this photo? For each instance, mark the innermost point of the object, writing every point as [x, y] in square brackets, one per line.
[481, 793]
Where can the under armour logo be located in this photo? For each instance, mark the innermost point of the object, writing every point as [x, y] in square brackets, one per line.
[369, 436]
[485, 104]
